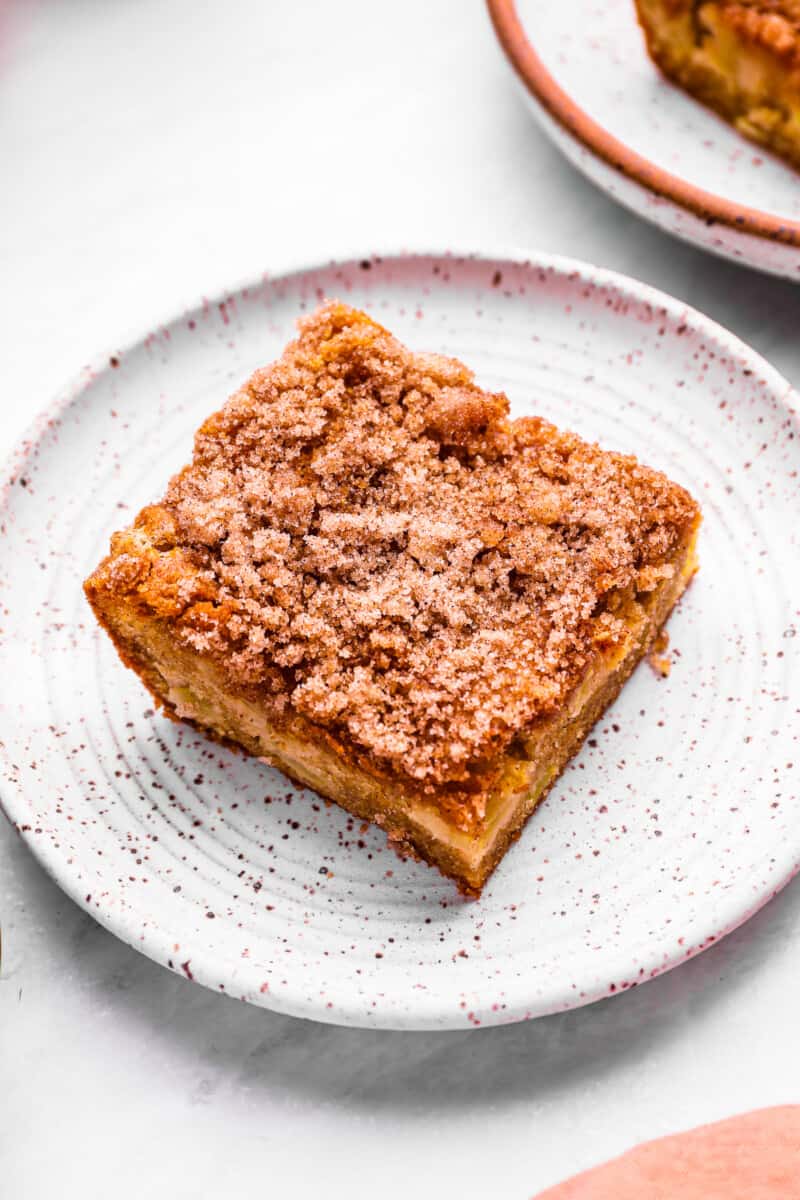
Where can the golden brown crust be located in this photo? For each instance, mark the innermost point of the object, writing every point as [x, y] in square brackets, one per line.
[365, 541]
[772, 23]
[740, 57]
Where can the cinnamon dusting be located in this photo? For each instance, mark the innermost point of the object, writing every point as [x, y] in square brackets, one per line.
[365, 539]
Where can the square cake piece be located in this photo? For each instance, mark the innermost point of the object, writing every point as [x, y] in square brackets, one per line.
[740, 57]
[373, 579]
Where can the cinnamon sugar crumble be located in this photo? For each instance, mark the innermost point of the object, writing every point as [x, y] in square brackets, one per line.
[364, 538]
[772, 24]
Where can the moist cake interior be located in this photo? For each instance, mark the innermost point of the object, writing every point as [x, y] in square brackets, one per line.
[740, 57]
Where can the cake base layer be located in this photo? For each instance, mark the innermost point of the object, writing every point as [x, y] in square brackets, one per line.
[742, 60]
[195, 689]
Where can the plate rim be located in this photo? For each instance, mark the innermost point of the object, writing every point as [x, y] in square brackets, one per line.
[542, 86]
[206, 966]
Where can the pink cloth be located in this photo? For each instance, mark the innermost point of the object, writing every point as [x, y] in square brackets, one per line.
[750, 1157]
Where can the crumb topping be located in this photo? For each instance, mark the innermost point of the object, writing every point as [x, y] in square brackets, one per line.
[366, 539]
[771, 24]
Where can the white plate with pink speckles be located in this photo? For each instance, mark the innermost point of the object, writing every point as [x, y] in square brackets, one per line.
[680, 817]
[593, 89]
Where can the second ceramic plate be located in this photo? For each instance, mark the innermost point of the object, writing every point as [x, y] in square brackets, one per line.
[678, 819]
[594, 90]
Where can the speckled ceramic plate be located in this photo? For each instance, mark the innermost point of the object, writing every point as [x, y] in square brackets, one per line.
[680, 817]
[592, 87]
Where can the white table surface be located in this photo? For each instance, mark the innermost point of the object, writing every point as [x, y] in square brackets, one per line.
[153, 150]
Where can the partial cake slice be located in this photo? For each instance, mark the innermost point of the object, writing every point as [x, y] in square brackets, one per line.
[740, 57]
[372, 578]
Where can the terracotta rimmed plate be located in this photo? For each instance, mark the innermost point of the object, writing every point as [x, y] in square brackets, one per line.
[680, 817]
[595, 92]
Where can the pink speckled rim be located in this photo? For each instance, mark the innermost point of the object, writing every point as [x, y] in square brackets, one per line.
[209, 967]
[560, 105]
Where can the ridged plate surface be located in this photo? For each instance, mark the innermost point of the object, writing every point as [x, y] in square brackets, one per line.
[680, 817]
